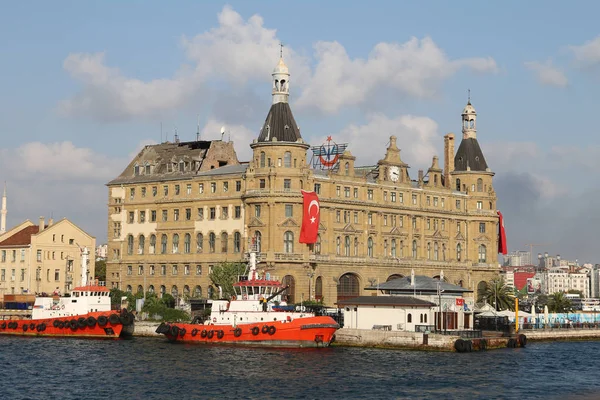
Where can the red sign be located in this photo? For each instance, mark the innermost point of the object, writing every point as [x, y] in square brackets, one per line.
[460, 302]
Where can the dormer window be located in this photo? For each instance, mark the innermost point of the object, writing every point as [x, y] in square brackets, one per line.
[169, 167]
[136, 170]
[181, 166]
[147, 169]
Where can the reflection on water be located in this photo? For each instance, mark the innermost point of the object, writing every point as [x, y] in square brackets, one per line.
[154, 369]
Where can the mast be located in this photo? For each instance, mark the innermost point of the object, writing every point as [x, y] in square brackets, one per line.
[84, 262]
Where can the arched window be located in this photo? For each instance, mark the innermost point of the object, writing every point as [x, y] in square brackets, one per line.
[425, 318]
[262, 159]
[347, 246]
[174, 291]
[347, 168]
[163, 244]
[141, 244]
[175, 243]
[472, 123]
[211, 291]
[187, 243]
[348, 287]
[414, 249]
[458, 185]
[385, 248]
[356, 247]
[458, 252]
[318, 245]
[152, 248]
[287, 159]
[318, 288]
[211, 242]
[140, 289]
[186, 291]
[151, 289]
[129, 289]
[480, 185]
[224, 240]
[237, 242]
[428, 251]
[130, 244]
[337, 245]
[421, 318]
[436, 251]
[288, 242]
[409, 318]
[370, 247]
[257, 241]
[197, 292]
[199, 242]
[482, 253]
[290, 293]
[393, 247]
[163, 290]
[394, 276]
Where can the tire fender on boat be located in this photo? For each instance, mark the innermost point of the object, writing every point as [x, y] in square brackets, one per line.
[3, 325]
[272, 330]
[210, 334]
[265, 329]
[237, 332]
[255, 330]
[194, 332]
[220, 334]
[203, 334]
[102, 320]
[174, 330]
[114, 319]
[25, 327]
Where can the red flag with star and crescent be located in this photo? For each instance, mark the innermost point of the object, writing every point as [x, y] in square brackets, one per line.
[311, 212]
[502, 247]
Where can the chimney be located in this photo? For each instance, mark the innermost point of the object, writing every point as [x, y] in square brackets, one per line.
[50, 221]
[420, 177]
[42, 224]
[448, 159]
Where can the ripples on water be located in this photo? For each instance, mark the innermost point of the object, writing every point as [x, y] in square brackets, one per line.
[149, 368]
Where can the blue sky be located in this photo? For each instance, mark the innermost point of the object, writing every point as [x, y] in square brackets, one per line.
[83, 85]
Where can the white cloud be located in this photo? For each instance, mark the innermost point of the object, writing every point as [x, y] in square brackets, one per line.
[240, 51]
[547, 74]
[416, 138]
[587, 54]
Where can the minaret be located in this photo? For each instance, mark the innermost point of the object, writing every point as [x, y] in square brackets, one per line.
[281, 81]
[3, 212]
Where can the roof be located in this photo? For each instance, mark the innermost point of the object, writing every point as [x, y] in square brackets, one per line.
[280, 124]
[422, 284]
[21, 238]
[92, 288]
[387, 301]
[469, 156]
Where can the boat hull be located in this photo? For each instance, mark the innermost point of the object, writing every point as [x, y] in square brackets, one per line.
[100, 325]
[300, 332]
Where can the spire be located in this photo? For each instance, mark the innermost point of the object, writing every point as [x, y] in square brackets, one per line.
[3, 212]
[469, 156]
[281, 80]
[469, 120]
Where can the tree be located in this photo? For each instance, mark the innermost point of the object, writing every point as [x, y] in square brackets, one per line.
[115, 298]
[224, 275]
[159, 308]
[559, 303]
[497, 293]
[100, 270]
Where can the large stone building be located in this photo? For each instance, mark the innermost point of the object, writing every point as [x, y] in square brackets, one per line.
[180, 208]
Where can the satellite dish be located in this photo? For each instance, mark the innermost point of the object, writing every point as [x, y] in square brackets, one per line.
[222, 130]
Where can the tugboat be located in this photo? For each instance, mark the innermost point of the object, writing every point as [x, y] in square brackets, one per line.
[85, 313]
[256, 316]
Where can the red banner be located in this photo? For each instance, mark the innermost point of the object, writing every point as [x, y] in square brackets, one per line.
[502, 247]
[310, 218]
[460, 302]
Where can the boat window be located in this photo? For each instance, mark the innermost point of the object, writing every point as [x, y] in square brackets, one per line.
[76, 294]
[250, 292]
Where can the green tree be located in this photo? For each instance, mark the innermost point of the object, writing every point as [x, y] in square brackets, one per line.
[497, 293]
[224, 275]
[115, 298]
[159, 308]
[100, 270]
[559, 303]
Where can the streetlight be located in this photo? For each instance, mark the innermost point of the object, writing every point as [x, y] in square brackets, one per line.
[439, 304]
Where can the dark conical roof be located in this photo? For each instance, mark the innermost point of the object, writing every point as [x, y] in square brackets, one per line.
[469, 155]
[280, 124]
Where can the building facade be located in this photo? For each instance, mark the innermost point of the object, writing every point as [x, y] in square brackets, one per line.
[43, 258]
[180, 208]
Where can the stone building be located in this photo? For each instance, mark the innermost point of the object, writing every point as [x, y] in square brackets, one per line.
[179, 208]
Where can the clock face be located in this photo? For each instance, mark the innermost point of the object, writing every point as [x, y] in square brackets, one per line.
[394, 174]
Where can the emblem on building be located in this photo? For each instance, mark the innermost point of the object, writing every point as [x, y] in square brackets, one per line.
[327, 155]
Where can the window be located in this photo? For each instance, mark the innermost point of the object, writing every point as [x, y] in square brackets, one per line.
[289, 210]
[199, 242]
[472, 187]
[458, 204]
[414, 222]
[165, 215]
[198, 269]
[385, 247]
[187, 243]
[213, 187]
[154, 191]
[347, 246]
[347, 168]
[385, 196]
[370, 218]
[480, 185]
[212, 213]
[414, 199]
[186, 271]
[356, 217]
[140, 270]
[257, 211]
[141, 244]
[393, 247]
[436, 251]
[338, 214]
[153, 216]
[355, 246]
[166, 190]
[188, 214]
[317, 188]
[428, 223]
[224, 240]
[262, 159]
[211, 242]
[238, 186]
[175, 270]
[318, 245]
[458, 227]
[482, 227]
[176, 190]
[409, 318]
[142, 216]
[393, 197]
[39, 255]
[224, 212]
[287, 159]
[237, 242]
[370, 247]
[356, 193]
[152, 247]
[401, 197]
[338, 190]
[480, 205]
[163, 244]
[287, 184]
[188, 189]
[435, 201]
[175, 243]
[262, 184]
[237, 212]
[257, 241]
[458, 252]
[482, 253]
[346, 217]
[225, 186]
[200, 213]
[429, 251]
[131, 193]
[201, 188]
[129, 270]
[338, 245]
[288, 242]
[176, 215]
[163, 270]
[143, 191]
[346, 191]
[131, 217]
[414, 249]
[428, 200]
[130, 244]
[385, 220]
[370, 194]
[3, 255]
[443, 224]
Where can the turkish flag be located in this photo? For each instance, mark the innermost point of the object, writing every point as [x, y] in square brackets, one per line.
[311, 212]
[502, 247]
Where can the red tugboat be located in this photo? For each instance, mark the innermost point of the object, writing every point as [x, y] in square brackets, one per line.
[256, 316]
[86, 313]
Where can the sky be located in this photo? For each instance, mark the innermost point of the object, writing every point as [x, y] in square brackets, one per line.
[85, 85]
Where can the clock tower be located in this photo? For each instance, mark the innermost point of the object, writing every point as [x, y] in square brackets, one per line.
[391, 168]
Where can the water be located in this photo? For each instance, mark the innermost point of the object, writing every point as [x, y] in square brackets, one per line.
[150, 368]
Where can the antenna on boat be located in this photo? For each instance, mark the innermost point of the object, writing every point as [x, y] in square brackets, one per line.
[84, 263]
